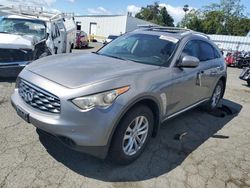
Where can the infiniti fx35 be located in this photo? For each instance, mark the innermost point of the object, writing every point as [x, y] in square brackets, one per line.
[111, 102]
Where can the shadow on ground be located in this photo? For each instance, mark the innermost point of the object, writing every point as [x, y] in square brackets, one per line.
[176, 140]
[9, 80]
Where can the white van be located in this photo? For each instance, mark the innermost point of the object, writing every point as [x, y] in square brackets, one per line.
[27, 37]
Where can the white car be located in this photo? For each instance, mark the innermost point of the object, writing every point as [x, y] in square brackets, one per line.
[25, 38]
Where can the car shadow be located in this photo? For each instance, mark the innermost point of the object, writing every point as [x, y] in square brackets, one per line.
[8, 80]
[177, 138]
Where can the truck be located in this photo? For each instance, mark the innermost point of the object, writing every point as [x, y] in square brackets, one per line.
[29, 33]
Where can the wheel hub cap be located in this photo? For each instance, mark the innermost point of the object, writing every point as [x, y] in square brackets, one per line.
[135, 135]
[216, 96]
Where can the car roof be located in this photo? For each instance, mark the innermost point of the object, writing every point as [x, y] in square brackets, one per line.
[174, 32]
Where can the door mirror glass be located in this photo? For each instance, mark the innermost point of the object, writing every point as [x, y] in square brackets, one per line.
[189, 62]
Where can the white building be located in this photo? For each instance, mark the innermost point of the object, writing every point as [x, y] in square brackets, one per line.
[101, 26]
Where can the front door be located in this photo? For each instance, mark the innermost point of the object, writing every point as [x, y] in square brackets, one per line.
[57, 39]
[186, 86]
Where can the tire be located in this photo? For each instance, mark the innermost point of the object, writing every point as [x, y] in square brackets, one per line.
[216, 97]
[120, 152]
[248, 83]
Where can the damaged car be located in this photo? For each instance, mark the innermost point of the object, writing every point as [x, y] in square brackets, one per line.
[24, 39]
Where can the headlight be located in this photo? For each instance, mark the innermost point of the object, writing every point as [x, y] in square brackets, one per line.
[102, 100]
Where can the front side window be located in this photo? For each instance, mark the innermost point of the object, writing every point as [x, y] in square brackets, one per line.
[201, 49]
[23, 27]
[192, 49]
[141, 48]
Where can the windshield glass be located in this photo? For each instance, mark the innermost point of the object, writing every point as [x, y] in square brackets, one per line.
[141, 48]
[23, 27]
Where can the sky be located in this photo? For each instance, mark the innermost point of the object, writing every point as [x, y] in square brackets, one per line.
[92, 7]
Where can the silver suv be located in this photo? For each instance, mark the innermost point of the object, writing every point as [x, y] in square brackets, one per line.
[110, 103]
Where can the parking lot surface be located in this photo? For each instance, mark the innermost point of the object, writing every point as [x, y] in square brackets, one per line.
[196, 149]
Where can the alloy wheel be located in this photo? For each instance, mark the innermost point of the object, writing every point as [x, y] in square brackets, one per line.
[135, 135]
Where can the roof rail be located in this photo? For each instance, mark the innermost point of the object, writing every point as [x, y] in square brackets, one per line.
[32, 11]
[183, 31]
[196, 33]
[171, 29]
[163, 28]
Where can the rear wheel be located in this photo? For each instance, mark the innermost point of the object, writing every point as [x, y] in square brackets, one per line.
[216, 97]
[132, 135]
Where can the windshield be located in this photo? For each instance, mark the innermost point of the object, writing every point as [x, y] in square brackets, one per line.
[23, 27]
[141, 48]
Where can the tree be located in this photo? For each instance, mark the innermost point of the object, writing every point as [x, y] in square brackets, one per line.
[226, 18]
[192, 20]
[213, 22]
[167, 20]
[155, 14]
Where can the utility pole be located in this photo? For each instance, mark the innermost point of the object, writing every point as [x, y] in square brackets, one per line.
[185, 9]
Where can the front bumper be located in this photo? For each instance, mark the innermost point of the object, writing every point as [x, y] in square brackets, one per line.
[89, 132]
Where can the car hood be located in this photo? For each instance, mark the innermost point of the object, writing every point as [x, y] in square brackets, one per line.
[11, 41]
[76, 70]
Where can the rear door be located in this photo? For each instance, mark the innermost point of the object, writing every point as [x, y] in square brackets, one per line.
[209, 68]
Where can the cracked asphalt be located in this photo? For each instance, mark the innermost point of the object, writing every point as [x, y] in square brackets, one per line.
[215, 152]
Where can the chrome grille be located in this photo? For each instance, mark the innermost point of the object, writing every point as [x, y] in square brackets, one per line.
[38, 98]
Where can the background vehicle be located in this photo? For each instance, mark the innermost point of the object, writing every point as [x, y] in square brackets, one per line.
[238, 59]
[113, 101]
[110, 38]
[28, 34]
[243, 60]
[81, 39]
[245, 75]
[230, 59]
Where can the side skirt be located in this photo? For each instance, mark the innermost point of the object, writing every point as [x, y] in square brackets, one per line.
[185, 109]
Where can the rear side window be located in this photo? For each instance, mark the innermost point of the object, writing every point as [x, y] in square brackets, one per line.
[217, 54]
[207, 52]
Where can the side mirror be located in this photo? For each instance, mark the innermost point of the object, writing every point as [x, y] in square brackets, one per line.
[189, 62]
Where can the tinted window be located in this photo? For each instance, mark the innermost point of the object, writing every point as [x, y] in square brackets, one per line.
[206, 51]
[218, 54]
[192, 49]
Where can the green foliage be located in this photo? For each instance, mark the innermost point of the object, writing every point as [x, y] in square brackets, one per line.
[156, 14]
[192, 20]
[226, 18]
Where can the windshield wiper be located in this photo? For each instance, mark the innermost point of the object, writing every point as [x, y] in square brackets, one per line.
[3, 32]
[112, 56]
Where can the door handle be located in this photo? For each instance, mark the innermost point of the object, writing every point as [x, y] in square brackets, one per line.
[59, 41]
[198, 78]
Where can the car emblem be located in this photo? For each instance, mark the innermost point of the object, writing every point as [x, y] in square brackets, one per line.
[28, 96]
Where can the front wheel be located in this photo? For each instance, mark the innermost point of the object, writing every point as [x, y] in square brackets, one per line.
[132, 135]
